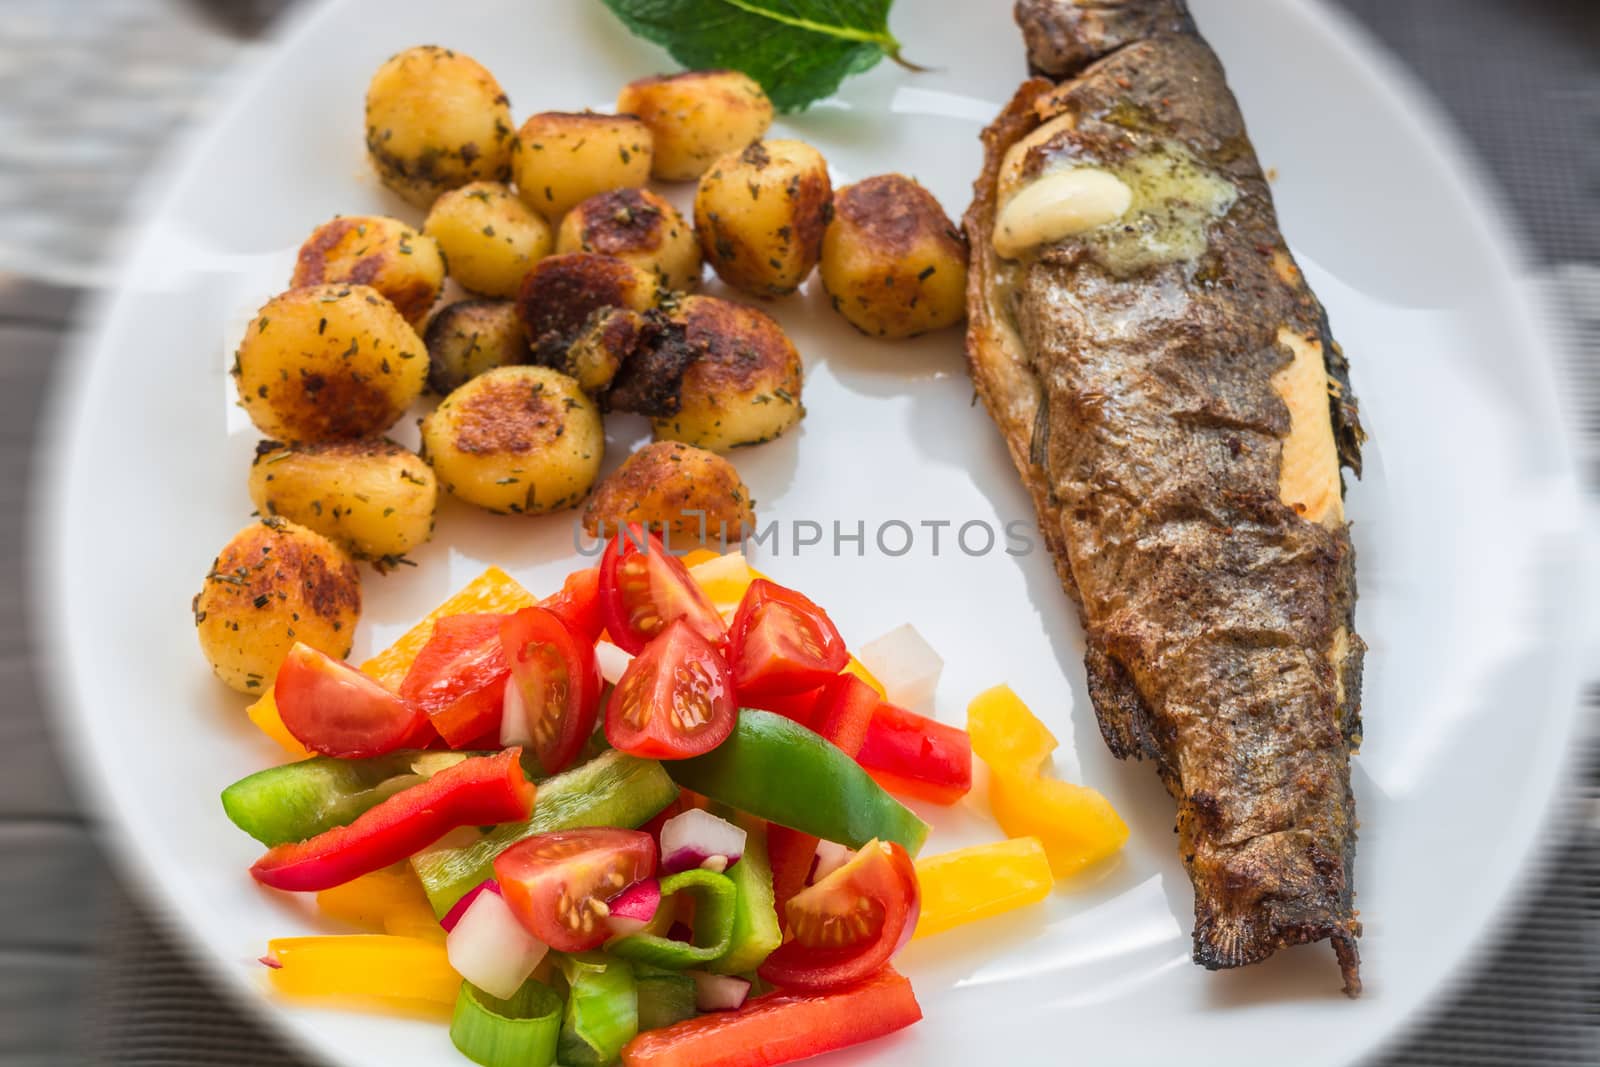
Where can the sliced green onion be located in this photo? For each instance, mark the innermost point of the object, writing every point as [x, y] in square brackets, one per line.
[755, 932]
[520, 1032]
[716, 899]
[602, 1010]
[613, 789]
[665, 997]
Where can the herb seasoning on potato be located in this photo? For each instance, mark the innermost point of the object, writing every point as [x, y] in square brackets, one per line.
[565, 157]
[639, 227]
[372, 497]
[273, 584]
[402, 264]
[328, 363]
[893, 263]
[696, 118]
[516, 440]
[743, 386]
[469, 337]
[489, 236]
[760, 214]
[561, 292]
[683, 492]
[436, 119]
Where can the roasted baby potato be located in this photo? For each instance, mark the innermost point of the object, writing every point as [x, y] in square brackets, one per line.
[564, 157]
[489, 235]
[436, 119]
[516, 439]
[274, 584]
[561, 292]
[685, 493]
[760, 213]
[743, 386]
[372, 497]
[469, 337]
[328, 363]
[402, 264]
[608, 338]
[636, 226]
[696, 117]
[893, 263]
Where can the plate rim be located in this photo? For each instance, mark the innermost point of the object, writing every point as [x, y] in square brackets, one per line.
[71, 718]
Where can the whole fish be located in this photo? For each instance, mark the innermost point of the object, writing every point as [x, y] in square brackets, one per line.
[1170, 392]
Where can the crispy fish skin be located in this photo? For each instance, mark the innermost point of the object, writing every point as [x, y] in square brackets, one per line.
[1145, 402]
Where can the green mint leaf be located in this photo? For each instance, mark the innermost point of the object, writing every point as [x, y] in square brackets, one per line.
[799, 50]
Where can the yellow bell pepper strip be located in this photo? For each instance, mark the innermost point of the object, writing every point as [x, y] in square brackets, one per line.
[406, 969]
[493, 592]
[390, 900]
[978, 882]
[1076, 825]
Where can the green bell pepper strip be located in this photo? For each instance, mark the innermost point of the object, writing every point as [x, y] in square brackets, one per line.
[665, 997]
[756, 932]
[520, 1032]
[602, 1010]
[298, 801]
[774, 768]
[714, 905]
[614, 789]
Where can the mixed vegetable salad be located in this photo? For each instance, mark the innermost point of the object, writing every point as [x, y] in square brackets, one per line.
[720, 873]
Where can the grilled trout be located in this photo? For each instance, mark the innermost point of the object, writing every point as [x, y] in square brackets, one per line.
[1169, 390]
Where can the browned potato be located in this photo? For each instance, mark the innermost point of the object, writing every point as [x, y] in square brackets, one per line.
[469, 337]
[636, 226]
[696, 117]
[564, 157]
[684, 492]
[489, 235]
[760, 214]
[609, 337]
[893, 263]
[274, 584]
[328, 363]
[516, 439]
[436, 119]
[402, 264]
[743, 387]
[561, 292]
[372, 497]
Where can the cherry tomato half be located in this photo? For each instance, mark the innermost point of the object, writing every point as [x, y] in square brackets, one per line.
[848, 925]
[332, 708]
[559, 680]
[578, 604]
[643, 587]
[781, 643]
[674, 701]
[459, 678]
[557, 884]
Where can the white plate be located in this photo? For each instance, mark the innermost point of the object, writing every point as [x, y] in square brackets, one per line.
[1467, 525]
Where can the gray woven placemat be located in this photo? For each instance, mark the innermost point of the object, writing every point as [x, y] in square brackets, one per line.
[92, 86]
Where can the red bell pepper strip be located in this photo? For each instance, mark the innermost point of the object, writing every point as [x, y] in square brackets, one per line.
[474, 792]
[781, 1027]
[914, 755]
[578, 604]
[844, 712]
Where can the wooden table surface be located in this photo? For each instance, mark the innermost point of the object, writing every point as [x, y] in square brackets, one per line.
[1521, 79]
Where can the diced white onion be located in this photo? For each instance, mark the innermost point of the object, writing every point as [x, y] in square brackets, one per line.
[613, 661]
[694, 836]
[491, 949]
[830, 857]
[719, 992]
[514, 717]
[907, 666]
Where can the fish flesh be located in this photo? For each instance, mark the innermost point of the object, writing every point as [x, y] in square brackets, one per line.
[1169, 390]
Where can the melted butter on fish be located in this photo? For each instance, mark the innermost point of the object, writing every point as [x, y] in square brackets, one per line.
[1150, 209]
[1308, 474]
